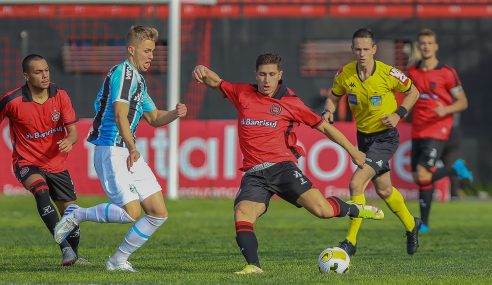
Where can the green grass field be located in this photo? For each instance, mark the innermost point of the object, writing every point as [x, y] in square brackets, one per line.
[197, 246]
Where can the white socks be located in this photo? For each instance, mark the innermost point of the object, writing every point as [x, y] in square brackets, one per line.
[103, 213]
[136, 237]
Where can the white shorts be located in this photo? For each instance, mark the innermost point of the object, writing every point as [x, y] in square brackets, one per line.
[123, 186]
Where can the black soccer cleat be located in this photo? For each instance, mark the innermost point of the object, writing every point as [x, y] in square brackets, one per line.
[349, 248]
[413, 237]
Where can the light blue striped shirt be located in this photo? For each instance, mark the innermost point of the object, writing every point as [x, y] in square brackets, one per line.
[122, 84]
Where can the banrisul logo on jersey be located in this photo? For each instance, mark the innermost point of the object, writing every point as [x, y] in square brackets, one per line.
[38, 135]
[262, 123]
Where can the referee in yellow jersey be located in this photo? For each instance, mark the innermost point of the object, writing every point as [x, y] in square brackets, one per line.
[370, 86]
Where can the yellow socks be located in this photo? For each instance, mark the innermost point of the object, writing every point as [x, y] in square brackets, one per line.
[355, 222]
[396, 203]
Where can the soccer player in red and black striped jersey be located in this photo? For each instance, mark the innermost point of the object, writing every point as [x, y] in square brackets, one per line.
[268, 114]
[42, 132]
[441, 96]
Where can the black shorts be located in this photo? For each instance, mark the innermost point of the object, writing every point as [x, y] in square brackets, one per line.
[379, 147]
[60, 184]
[284, 179]
[426, 152]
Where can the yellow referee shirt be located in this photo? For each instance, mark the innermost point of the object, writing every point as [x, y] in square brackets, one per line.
[373, 98]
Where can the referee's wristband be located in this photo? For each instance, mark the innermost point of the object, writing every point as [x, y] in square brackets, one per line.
[401, 111]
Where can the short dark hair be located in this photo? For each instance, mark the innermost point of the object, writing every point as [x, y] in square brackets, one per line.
[268, 58]
[27, 61]
[364, 33]
[426, 32]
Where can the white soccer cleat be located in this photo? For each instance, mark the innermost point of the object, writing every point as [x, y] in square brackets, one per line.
[64, 227]
[125, 266]
[82, 261]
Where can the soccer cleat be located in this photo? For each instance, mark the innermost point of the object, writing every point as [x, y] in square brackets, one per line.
[368, 211]
[69, 256]
[125, 266]
[424, 228]
[349, 248]
[250, 269]
[413, 237]
[65, 226]
[462, 171]
[82, 261]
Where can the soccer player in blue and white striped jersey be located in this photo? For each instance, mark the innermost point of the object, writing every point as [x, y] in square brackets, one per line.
[126, 178]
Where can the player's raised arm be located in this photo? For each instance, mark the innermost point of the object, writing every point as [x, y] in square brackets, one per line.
[158, 118]
[203, 74]
[335, 135]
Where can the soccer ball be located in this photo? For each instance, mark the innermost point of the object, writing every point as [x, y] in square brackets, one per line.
[334, 259]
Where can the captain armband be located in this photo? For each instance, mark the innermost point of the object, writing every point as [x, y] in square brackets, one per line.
[456, 91]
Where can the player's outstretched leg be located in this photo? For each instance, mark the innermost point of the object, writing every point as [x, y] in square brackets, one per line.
[66, 224]
[102, 213]
[333, 206]
[325, 208]
[366, 211]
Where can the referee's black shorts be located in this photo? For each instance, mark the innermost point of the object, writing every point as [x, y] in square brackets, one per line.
[379, 148]
[283, 178]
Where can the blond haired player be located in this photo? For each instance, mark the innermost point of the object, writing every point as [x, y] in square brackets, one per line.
[125, 176]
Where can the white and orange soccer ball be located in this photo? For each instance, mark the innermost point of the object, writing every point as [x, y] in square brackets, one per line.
[334, 259]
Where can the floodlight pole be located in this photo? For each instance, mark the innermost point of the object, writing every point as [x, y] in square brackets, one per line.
[173, 89]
